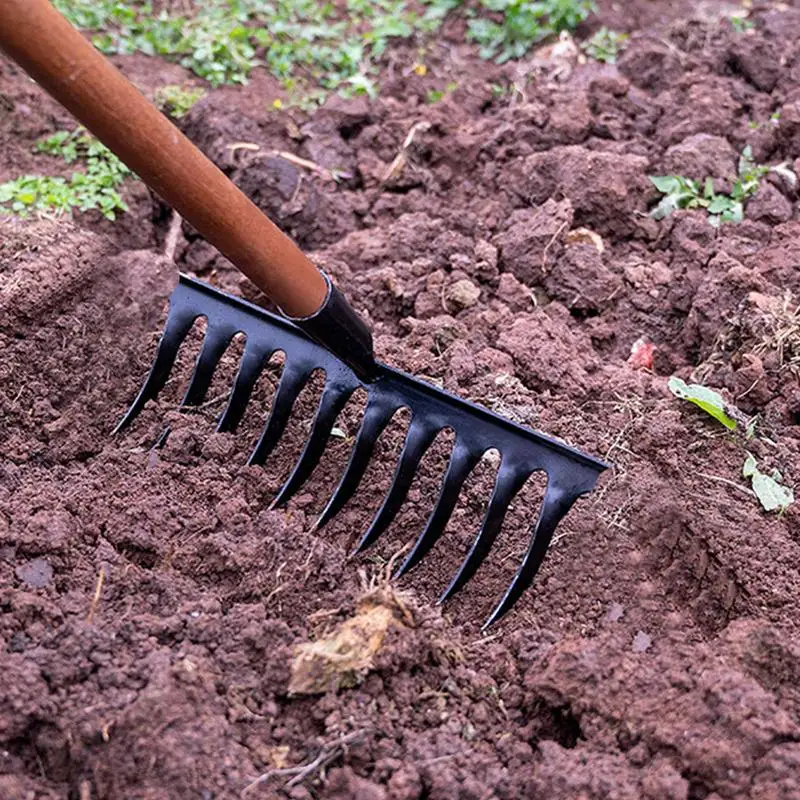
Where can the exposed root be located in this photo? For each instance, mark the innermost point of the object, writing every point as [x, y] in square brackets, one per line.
[342, 659]
[329, 753]
[96, 597]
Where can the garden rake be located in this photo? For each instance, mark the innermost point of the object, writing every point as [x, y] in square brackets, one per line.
[318, 329]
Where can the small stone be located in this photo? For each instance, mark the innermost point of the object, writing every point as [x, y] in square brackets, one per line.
[616, 612]
[462, 294]
[37, 573]
[486, 258]
[641, 642]
[586, 236]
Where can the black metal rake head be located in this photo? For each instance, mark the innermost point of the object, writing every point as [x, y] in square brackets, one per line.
[570, 473]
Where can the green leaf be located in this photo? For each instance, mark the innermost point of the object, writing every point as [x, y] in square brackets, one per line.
[719, 203]
[772, 495]
[665, 183]
[734, 214]
[710, 401]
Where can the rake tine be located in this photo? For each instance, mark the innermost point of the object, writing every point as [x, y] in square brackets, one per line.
[420, 436]
[178, 324]
[462, 462]
[331, 403]
[556, 504]
[376, 418]
[292, 381]
[509, 482]
[252, 364]
[216, 343]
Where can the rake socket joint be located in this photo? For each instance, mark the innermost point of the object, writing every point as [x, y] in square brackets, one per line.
[337, 327]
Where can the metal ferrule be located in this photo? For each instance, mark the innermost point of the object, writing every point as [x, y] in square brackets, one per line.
[339, 329]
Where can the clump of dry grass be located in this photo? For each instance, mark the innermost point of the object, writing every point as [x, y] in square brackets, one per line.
[764, 326]
[778, 325]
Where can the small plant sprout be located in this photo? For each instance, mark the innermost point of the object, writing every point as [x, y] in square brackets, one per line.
[435, 95]
[93, 188]
[769, 489]
[177, 100]
[512, 27]
[710, 401]
[605, 45]
[741, 24]
[684, 193]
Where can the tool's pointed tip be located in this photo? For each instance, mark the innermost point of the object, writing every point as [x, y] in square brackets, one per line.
[402, 569]
[124, 422]
[455, 585]
[281, 500]
[367, 539]
[492, 619]
[322, 520]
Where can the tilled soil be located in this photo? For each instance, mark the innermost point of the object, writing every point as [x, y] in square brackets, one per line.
[153, 604]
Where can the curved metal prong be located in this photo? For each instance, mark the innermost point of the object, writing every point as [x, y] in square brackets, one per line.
[419, 438]
[462, 462]
[179, 322]
[216, 342]
[251, 367]
[331, 403]
[509, 482]
[376, 418]
[556, 504]
[291, 384]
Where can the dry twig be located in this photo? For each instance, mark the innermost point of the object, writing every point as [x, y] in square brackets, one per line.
[397, 166]
[329, 753]
[96, 598]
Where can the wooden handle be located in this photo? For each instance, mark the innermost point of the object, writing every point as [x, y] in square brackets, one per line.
[65, 65]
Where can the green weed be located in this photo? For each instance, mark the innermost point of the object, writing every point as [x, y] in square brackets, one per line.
[306, 43]
[298, 41]
[95, 187]
[769, 489]
[774, 120]
[435, 95]
[177, 100]
[681, 192]
[741, 24]
[605, 45]
[710, 401]
[518, 25]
